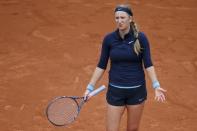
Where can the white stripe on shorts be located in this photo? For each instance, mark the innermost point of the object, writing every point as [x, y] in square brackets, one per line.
[124, 87]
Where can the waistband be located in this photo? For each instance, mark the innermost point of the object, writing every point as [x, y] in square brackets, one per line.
[124, 87]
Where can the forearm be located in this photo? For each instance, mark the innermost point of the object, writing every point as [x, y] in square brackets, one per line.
[98, 73]
[159, 92]
[151, 73]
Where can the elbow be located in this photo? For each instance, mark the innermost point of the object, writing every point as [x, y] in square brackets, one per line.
[101, 68]
[149, 67]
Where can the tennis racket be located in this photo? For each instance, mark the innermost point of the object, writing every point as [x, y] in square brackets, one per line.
[63, 110]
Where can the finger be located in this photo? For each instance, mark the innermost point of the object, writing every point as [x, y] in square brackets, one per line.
[157, 98]
[160, 99]
[163, 97]
[86, 93]
[85, 98]
[163, 90]
[88, 97]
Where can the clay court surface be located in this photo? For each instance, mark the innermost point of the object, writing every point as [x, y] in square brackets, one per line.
[50, 48]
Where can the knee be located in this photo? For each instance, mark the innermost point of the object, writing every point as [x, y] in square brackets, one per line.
[132, 128]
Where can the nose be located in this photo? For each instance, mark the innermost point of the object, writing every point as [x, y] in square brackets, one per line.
[118, 20]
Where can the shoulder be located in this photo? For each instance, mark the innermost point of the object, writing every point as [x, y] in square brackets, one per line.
[109, 37]
[143, 39]
[142, 35]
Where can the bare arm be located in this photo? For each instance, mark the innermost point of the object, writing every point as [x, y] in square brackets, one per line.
[151, 73]
[98, 73]
[159, 92]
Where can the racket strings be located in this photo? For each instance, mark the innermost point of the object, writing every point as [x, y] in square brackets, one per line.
[62, 111]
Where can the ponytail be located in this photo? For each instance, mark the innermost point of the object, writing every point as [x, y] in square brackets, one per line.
[137, 46]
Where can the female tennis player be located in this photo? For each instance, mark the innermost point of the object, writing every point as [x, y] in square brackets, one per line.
[129, 53]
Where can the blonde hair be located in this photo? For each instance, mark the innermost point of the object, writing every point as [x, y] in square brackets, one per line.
[137, 46]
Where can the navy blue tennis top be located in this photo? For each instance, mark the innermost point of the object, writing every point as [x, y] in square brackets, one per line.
[126, 67]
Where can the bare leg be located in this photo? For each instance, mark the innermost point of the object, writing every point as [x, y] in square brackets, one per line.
[134, 113]
[114, 114]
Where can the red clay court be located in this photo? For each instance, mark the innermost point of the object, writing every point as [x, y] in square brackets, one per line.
[50, 48]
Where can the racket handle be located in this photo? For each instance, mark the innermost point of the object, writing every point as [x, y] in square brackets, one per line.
[95, 92]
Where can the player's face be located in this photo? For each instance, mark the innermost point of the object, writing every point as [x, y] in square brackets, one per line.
[122, 20]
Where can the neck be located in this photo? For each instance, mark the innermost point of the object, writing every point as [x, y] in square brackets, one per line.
[124, 32]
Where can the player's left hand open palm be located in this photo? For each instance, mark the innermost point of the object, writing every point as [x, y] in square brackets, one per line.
[159, 94]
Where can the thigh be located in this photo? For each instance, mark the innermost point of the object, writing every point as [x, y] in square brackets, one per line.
[134, 113]
[114, 114]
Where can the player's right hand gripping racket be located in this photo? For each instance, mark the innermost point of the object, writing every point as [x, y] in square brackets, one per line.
[63, 110]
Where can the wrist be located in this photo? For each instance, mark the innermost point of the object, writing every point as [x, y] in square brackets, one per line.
[90, 87]
[155, 84]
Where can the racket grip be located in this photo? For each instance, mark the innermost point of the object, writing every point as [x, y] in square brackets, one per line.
[98, 90]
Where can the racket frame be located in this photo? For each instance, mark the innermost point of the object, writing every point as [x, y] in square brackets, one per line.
[79, 105]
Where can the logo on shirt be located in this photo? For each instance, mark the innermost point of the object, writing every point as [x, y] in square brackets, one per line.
[130, 42]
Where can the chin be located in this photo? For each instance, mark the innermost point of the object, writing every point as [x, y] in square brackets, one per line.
[122, 28]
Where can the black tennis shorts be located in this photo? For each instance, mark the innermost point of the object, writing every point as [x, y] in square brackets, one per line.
[120, 97]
